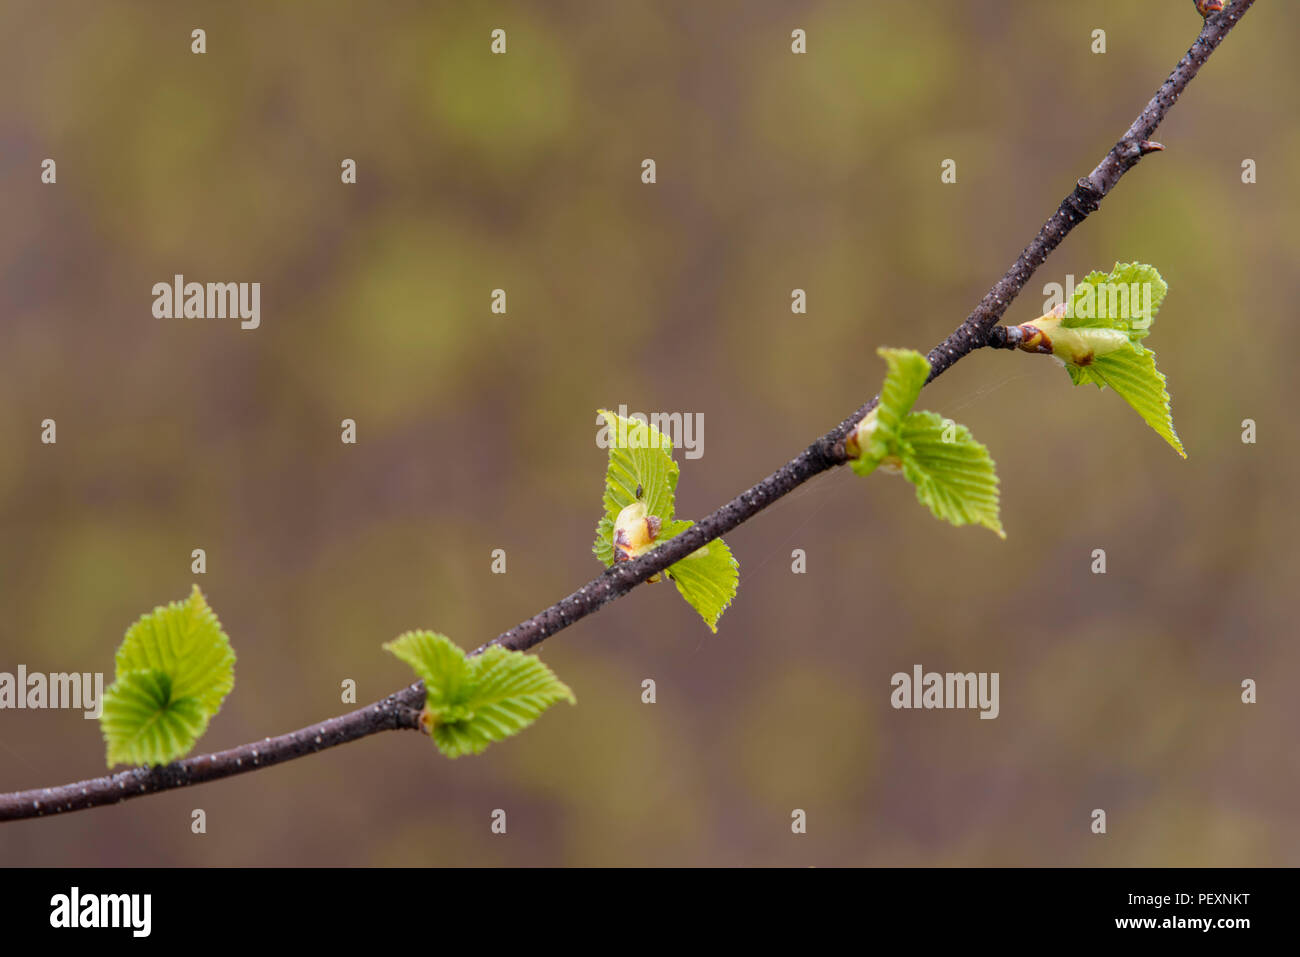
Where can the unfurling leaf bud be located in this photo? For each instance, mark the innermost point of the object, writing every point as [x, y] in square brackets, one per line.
[634, 533]
[952, 473]
[859, 446]
[1078, 346]
[860, 436]
[1098, 338]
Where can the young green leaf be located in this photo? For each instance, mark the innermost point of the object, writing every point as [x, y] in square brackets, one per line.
[640, 487]
[707, 578]
[640, 459]
[954, 475]
[174, 668]
[1132, 373]
[472, 702]
[875, 441]
[1098, 336]
[1126, 300]
[437, 660]
[144, 723]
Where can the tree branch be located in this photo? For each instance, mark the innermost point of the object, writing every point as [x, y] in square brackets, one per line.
[397, 711]
[828, 451]
[401, 710]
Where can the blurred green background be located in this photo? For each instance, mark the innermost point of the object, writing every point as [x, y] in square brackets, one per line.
[476, 431]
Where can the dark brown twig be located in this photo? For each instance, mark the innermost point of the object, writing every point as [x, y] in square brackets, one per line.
[397, 711]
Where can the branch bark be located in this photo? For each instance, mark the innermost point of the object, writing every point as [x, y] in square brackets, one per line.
[397, 711]
[401, 710]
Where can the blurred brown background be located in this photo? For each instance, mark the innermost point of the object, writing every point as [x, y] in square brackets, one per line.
[476, 431]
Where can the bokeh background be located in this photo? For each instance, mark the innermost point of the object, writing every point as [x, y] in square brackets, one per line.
[476, 431]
